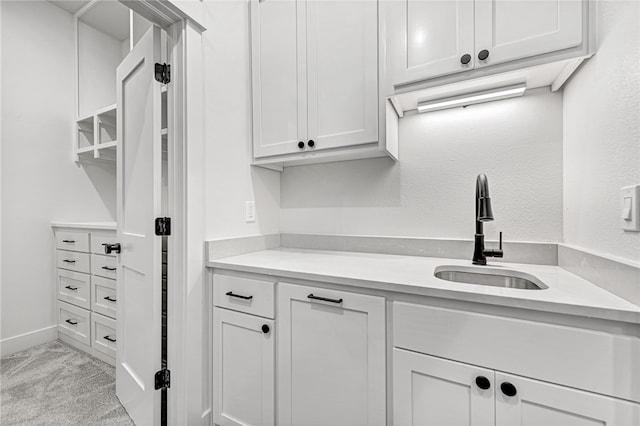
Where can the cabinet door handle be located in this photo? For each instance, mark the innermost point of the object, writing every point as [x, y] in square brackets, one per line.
[483, 383]
[508, 389]
[69, 261]
[239, 296]
[324, 299]
[109, 299]
[71, 288]
[465, 59]
[108, 268]
[483, 54]
[265, 328]
[311, 143]
[107, 337]
[69, 241]
[72, 322]
[301, 145]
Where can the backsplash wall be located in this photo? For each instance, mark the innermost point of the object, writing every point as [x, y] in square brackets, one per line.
[517, 143]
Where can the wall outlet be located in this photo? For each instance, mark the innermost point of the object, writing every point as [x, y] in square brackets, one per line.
[250, 211]
[630, 208]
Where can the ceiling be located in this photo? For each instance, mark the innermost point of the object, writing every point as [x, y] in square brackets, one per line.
[108, 16]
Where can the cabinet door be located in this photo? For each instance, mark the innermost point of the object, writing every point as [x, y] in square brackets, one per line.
[278, 76]
[539, 403]
[429, 391]
[342, 41]
[331, 357]
[244, 382]
[431, 37]
[514, 29]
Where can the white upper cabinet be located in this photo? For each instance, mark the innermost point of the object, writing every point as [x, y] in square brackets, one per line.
[436, 38]
[342, 55]
[507, 30]
[279, 76]
[316, 83]
[432, 37]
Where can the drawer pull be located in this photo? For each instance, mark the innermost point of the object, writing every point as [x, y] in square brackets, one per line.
[107, 337]
[72, 322]
[108, 268]
[324, 299]
[69, 241]
[108, 248]
[109, 299]
[71, 288]
[69, 261]
[239, 296]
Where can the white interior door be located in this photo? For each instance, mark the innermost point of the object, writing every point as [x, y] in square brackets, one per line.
[432, 38]
[429, 391]
[514, 29]
[139, 203]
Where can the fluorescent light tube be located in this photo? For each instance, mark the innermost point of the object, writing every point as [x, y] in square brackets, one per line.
[473, 98]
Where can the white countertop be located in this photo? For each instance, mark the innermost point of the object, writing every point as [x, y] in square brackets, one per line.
[85, 225]
[567, 293]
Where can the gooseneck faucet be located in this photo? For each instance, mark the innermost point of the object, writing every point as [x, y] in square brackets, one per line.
[484, 213]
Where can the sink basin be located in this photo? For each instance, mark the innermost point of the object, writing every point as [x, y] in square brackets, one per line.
[494, 277]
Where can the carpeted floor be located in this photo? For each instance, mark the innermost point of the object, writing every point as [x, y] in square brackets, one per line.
[55, 384]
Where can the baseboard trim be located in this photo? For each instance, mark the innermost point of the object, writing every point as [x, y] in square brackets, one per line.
[24, 341]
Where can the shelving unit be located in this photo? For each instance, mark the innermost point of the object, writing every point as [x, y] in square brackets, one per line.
[96, 135]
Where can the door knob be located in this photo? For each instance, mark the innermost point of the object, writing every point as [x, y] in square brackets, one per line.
[483, 54]
[508, 389]
[109, 248]
[483, 383]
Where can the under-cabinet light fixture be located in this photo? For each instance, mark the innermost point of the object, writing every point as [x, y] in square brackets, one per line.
[473, 98]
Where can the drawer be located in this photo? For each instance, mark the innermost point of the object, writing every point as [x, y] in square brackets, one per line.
[101, 238]
[103, 332]
[244, 295]
[72, 240]
[74, 288]
[103, 296]
[73, 261]
[74, 322]
[584, 359]
[104, 266]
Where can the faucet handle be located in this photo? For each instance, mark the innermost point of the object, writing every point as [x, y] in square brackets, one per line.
[495, 252]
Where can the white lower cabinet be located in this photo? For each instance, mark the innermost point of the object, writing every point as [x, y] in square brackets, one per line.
[545, 404]
[244, 362]
[430, 391]
[331, 357]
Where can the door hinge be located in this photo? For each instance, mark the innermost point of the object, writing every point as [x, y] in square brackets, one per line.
[163, 226]
[163, 73]
[163, 379]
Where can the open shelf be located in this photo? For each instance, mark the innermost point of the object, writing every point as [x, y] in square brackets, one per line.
[96, 135]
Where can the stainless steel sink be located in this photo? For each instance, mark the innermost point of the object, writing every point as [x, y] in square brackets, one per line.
[489, 276]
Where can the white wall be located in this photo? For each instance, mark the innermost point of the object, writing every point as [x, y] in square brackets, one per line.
[40, 182]
[602, 135]
[517, 143]
[230, 180]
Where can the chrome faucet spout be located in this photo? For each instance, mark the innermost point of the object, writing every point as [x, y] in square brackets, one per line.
[484, 213]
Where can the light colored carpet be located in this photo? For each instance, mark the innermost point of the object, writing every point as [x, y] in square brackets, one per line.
[55, 384]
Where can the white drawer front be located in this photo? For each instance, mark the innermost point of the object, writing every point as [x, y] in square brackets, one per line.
[104, 266]
[99, 239]
[74, 322]
[103, 330]
[244, 295]
[584, 359]
[74, 288]
[73, 261]
[103, 296]
[72, 240]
